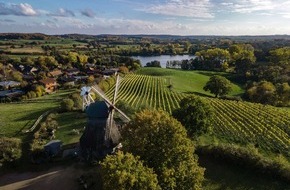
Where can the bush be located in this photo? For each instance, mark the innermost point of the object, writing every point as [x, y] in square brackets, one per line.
[67, 104]
[10, 150]
[78, 102]
[249, 157]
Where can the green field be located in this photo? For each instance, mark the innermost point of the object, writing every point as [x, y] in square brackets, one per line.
[68, 122]
[187, 81]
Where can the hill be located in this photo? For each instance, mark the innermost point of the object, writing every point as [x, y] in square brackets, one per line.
[266, 127]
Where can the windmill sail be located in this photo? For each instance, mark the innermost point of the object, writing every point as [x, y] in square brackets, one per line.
[97, 89]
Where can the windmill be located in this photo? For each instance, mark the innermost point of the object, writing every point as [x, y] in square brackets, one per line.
[101, 134]
[86, 95]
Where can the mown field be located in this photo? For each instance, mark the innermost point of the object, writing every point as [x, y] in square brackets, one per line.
[16, 118]
[188, 81]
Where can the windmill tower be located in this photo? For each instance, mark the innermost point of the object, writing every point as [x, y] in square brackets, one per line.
[101, 134]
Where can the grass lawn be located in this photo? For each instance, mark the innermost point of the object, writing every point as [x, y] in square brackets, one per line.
[188, 81]
[16, 117]
[19, 116]
[67, 122]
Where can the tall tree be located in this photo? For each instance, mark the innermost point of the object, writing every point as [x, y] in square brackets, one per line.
[242, 57]
[218, 85]
[262, 92]
[194, 114]
[161, 141]
[280, 56]
[213, 59]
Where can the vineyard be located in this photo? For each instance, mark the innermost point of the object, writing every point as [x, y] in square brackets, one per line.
[266, 127]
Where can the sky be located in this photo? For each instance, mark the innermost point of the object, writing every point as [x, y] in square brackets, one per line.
[175, 17]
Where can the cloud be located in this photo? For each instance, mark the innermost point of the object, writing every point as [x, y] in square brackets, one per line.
[182, 8]
[88, 13]
[248, 6]
[22, 9]
[62, 13]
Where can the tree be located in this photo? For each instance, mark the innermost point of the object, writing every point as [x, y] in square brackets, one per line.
[280, 56]
[263, 92]
[242, 56]
[194, 114]
[283, 91]
[126, 172]
[77, 99]
[213, 59]
[218, 85]
[91, 79]
[67, 104]
[153, 64]
[124, 69]
[161, 142]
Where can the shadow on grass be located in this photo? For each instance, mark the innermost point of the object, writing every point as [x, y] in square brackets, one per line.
[221, 175]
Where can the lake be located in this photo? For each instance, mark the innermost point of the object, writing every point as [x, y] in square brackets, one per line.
[162, 58]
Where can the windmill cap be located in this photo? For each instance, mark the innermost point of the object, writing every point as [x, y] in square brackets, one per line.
[98, 109]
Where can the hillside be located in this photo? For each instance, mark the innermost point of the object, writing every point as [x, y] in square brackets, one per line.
[266, 127]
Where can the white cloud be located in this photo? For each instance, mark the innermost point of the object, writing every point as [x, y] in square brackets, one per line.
[22, 9]
[248, 6]
[182, 8]
[62, 13]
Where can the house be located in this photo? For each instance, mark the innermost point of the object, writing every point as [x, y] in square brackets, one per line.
[9, 84]
[55, 73]
[26, 69]
[92, 71]
[12, 94]
[110, 72]
[49, 84]
[72, 71]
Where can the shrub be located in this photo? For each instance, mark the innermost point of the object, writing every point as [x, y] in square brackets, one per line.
[10, 149]
[249, 157]
[67, 104]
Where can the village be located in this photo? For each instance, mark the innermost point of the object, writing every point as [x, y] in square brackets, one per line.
[12, 90]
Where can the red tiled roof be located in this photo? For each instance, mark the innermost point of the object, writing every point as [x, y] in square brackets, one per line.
[48, 80]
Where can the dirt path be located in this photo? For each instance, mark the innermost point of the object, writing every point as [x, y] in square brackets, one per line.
[53, 179]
